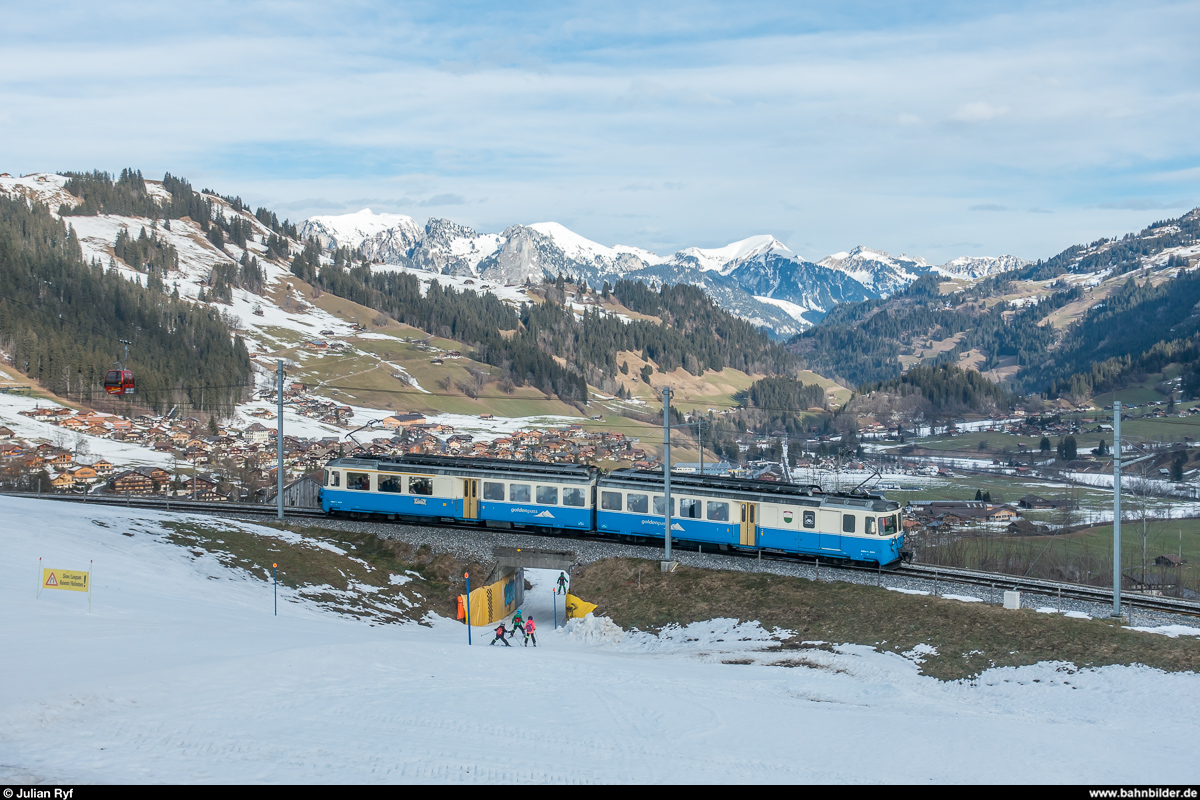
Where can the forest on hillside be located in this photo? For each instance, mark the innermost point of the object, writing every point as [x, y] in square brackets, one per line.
[1116, 340]
[694, 334]
[62, 321]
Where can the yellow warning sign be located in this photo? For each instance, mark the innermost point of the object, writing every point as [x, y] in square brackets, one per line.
[578, 608]
[64, 579]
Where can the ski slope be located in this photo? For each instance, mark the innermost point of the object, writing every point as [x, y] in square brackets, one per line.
[181, 674]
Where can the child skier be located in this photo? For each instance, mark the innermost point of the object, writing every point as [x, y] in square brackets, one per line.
[517, 624]
[500, 636]
[562, 583]
[529, 631]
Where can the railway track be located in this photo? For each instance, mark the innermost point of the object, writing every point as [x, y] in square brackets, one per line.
[995, 581]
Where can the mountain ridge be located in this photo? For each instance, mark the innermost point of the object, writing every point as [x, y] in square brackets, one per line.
[758, 277]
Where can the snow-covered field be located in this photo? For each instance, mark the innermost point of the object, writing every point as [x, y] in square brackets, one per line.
[182, 674]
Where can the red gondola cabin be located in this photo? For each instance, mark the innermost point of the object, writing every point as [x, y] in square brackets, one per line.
[119, 381]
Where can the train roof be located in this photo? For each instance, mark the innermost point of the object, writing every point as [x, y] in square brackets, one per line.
[448, 464]
[809, 495]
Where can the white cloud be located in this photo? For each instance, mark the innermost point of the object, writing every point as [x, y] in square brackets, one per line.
[979, 112]
[827, 133]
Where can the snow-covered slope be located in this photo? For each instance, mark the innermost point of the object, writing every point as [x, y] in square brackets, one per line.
[726, 259]
[351, 230]
[188, 676]
[812, 287]
[577, 248]
[980, 267]
[882, 273]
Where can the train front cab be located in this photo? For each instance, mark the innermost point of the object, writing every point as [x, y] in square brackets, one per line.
[864, 530]
[843, 528]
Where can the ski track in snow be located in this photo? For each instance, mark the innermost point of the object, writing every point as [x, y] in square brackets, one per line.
[182, 674]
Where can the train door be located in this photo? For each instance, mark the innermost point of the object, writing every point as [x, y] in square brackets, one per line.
[470, 498]
[749, 524]
[831, 527]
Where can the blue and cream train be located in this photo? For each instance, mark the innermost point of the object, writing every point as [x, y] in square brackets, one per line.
[724, 513]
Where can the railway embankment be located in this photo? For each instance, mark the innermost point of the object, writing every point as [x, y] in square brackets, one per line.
[955, 639]
[954, 627]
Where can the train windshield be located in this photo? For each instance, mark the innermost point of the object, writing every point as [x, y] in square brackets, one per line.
[887, 525]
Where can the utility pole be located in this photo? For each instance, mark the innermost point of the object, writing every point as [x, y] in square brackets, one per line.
[700, 439]
[667, 472]
[279, 441]
[1116, 612]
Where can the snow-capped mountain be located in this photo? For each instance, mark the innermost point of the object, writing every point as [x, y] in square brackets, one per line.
[885, 274]
[882, 273]
[606, 259]
[352, 230]
[726, 259]
[758, 278]
[806, 291]
[980, 267]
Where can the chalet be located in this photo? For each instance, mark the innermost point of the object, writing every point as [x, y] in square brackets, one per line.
[1023, 527]
[1169, 561]
[204, 489]
[11, 451]
[82, 474]
[62, 481]
[402, 420]
[60, 459]
[103, 467]
[6, 433]
[132, 482]
[257, 434]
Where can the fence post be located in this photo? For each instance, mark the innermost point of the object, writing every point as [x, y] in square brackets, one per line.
[467, 577]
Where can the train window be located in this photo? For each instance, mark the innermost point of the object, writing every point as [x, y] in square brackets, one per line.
[391, 483]
[639, 503]
[518, 492]
[718, 511]
[847, 523]
[869, 525]
[660, 507]
[493, 491]
[810, 519]
[420, 485]
[573, 497]
[335, 478]
[689, 509]
[887, 526]
[610, 501]
[358, 481]
[547, 495]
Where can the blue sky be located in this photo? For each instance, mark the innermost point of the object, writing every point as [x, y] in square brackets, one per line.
[932, 129]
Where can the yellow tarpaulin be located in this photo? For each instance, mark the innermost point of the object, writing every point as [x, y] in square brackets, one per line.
[577, 607]
[70, 580]
[493, 602]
